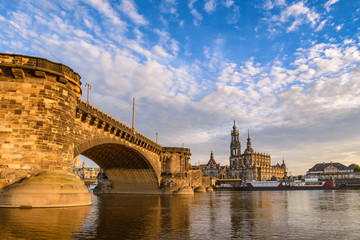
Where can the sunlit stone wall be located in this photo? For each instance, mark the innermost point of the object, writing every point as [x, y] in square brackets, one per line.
[38, 102]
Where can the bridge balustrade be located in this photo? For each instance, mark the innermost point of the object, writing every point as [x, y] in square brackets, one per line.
[94, 116]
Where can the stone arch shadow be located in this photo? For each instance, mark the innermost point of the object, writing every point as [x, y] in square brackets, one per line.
[131, 169]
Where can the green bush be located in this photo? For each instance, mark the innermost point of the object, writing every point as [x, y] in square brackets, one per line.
[357, 168]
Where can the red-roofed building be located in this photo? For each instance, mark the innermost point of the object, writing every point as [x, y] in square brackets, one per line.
[211, 168]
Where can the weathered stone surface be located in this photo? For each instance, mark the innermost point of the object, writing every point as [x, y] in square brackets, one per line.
[40, 74]
[62, 80]
[209, 189]
[37, 117]
[200, 189]
[187, 190]
[18, 73]
[47, 189]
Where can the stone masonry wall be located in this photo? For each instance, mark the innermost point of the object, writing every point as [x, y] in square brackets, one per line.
[38, 100]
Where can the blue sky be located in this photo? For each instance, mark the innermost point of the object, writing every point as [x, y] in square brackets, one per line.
[288, 70]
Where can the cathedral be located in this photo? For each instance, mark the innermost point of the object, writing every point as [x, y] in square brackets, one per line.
[251, 165]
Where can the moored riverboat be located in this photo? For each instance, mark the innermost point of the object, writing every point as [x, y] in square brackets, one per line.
[286, 185]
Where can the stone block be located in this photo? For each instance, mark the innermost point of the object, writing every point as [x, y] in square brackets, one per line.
[40, 74]
[62, 80]
[18, 73]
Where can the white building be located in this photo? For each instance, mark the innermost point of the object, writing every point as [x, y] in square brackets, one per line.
[332, 170]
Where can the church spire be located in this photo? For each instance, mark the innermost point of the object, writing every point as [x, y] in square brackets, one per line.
[283, 165]
[212, 161]
[249, 149]
[248, 139]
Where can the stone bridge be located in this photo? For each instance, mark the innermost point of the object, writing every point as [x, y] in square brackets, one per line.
[131, 160]
[45, 124]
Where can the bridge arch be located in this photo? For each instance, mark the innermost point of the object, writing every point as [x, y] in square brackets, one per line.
[130, 168]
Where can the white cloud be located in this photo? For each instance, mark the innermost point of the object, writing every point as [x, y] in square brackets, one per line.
[128, 7]
[166, 41]
[349, 41]
[105, 8]
[329, 3]
[270, 4]
[228, 3]
[136, 47]
[206, 51]
[210, 6]
[233, 17]
[169, 6]
[174, 47]
[298, 14]
[250, 68]
[160, 52]
[191, 3]
[322, 83]
[21, 20]
[339, 27]
[321, 26]
[197, 17]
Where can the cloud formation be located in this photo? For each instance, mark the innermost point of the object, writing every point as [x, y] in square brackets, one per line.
[193, 72]
[297, 14]
[128, 8]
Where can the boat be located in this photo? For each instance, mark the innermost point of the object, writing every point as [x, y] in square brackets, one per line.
[275, 185]
[92, 187]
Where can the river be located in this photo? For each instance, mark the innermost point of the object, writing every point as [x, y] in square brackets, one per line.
[319, 214]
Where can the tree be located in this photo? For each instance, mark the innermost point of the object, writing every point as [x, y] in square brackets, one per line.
[357, 168]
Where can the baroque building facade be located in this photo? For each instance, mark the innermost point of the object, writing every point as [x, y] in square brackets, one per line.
[251, 165]
[211, 168]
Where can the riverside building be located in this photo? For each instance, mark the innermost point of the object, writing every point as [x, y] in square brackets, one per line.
[251, 165]
[337, 171]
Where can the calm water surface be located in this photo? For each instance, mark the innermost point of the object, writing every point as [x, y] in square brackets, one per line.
[220, 215]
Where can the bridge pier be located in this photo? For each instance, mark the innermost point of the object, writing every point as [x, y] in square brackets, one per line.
[38, 104]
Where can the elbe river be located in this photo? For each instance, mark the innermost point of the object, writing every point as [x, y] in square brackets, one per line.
[318, 214]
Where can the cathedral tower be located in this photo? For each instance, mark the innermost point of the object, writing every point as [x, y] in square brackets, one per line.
[248, 149]
[235, 148]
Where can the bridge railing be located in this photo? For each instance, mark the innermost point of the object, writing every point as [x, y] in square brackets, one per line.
[38, 63]
[90, 113]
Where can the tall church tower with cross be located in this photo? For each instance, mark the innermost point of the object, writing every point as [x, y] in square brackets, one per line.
[251, 165]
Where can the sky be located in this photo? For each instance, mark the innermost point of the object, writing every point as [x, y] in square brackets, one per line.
[287, 70]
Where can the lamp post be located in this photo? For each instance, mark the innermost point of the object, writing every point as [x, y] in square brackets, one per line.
[133, 116]
[88, 91]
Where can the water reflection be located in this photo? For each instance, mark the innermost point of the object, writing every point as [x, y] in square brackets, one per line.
[217, 215]
[138, 217]
[255, 214]
[41, 223]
